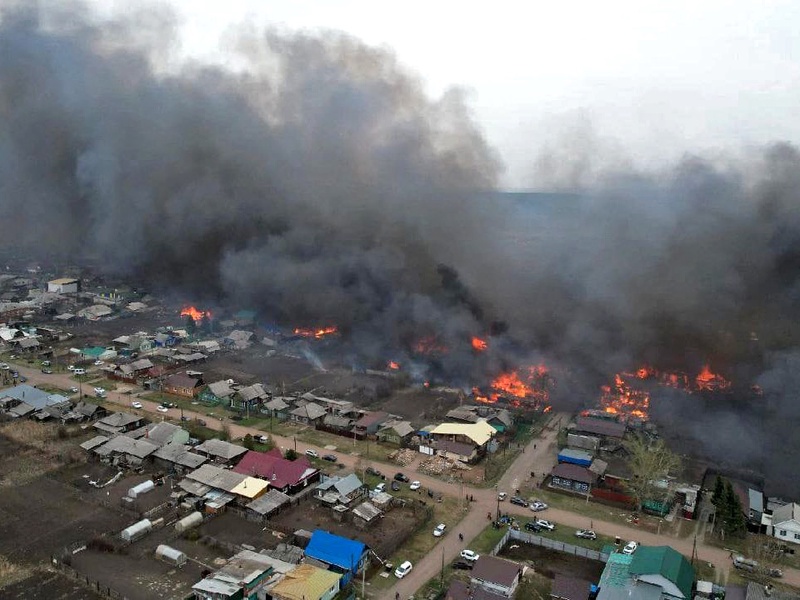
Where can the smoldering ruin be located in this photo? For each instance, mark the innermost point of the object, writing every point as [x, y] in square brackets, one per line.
[318, 184]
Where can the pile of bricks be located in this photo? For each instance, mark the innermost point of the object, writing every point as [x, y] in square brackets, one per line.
[403, 457]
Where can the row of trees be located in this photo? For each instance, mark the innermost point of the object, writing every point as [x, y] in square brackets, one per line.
[730, 519]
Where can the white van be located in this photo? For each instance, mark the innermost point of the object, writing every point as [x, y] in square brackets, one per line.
[79, 372]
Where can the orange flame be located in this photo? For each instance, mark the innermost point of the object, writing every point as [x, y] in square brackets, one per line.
[317, 334]
[706, 380]
[479, 345]
[530, 385]
[195, 313]
[393, 365]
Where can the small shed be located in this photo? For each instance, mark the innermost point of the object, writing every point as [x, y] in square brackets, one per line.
[170, 555]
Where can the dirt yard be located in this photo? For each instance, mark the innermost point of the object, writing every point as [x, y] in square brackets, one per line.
[46, 583]
[380, 537]
[549, 562]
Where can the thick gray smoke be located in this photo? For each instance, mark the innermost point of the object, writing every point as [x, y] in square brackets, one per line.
[320, 185]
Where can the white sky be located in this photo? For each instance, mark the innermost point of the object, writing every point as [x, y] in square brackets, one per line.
[653, 78]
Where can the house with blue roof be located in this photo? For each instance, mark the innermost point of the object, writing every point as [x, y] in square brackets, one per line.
[337, 554]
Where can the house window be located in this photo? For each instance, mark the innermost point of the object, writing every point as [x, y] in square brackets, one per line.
[797, 536]
[782, 532]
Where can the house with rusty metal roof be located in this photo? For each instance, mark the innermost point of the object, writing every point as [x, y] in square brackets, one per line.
[288, 476]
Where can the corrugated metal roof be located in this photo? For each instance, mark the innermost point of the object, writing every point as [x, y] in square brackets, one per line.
[335, 550]
[306, 582]
[664, 561]
[480, 432]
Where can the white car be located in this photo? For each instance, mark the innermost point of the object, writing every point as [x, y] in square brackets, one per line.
[73, 390]
[4, 366]
[97, 363]
[99, 390]
[545, 524]
[537, 505]
[415, 485]
[136, 404]
[502, 496]
[71, 368]
[470, 555]
[312, 453]
[159, 408]
[380, 488]
[439, 531]
[630, 547]
[403, 570]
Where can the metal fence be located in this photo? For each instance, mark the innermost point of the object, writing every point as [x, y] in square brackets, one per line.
[537, 540]
[92, 584]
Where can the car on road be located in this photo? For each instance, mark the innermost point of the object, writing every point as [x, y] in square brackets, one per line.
[532, 526]
[518, 501]
[502, 496]
[545, 524]
[4, 366]
[415, 485]
[136, 404]
[79, 372]
[401, 477]
[586, 534]
[462, 565]
[73, 390]
[440, 529]
[403, 570]
[161, 409]
[99, 390]
[470, 555]
[47, 371]
[537, 505]
[630, 547]
[330, 457]
[312, 453]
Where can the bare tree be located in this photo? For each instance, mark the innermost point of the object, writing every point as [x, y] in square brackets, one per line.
[763, 555]
[649, 462]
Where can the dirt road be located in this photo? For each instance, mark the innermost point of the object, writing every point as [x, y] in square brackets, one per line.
[538, 456]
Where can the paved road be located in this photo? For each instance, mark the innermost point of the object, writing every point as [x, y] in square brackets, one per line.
[538, 456]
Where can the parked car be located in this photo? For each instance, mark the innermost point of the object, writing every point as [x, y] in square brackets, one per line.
[401, 477]
[330, 457]
[415, 485]
[22, 379]
[586, 534]
[537, 505]
[545, 524]
[312, 453]
[380, 488]
[136, 404]
[375, 472]
[532, 526]
[502, 496]
[440, 529]
[73, 390]
[462, 565]
[79, 371]
[4, 366]
[97, 363]
[403, 570]
[395, 486]
[46, 363]
[262, 439]
[47, 371]
[518, 501]
[630, 547]
[161, 409]
[71, 368]
[99, 390]
[469, 555]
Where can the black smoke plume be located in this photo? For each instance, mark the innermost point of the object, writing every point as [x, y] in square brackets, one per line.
[319, 184]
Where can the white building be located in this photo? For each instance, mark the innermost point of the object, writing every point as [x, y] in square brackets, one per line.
[65, 285]
[786, 523]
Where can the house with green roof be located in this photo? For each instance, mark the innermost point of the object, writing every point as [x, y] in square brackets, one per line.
[651, 573]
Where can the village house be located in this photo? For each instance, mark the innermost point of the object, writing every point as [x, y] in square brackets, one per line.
[165, 433]
[84, 411]
[603, 429]
[338, 554]
[395, 431]
[461, 590]
[276, 408]
[657, 572]
[264, 507]
[132, 371]
[288, 476]
[496, 575]
[245, 575]
[786, 523]
[573, 478]
[307, 582]
[220, 452]
[466, 442]
[343, 491]
[308, 414]
[249, 398]
[125, 450]
[219, 392]
[177, 458]
[182, 384]
[243, 488]
[119, 422]
[370, 422]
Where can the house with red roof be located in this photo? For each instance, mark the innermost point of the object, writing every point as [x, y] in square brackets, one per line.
[288, 476]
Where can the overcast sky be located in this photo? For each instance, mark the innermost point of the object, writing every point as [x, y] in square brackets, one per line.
[640, 81]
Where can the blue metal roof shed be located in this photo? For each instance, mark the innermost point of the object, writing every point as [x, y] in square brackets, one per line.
[346, 555]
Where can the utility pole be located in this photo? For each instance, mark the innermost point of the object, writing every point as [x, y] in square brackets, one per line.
[441, 573]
